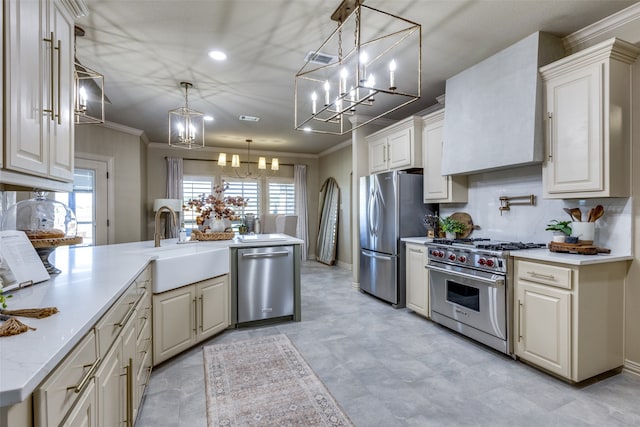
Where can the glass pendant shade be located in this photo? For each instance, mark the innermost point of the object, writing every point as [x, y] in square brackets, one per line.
[235, 161]
[222, 159]
[262, 163]
[186, 126]
[275, 164]
[369, 67]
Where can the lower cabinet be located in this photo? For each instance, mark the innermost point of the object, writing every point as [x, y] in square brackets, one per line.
[417, 279]
[568, 319]
[185, 316]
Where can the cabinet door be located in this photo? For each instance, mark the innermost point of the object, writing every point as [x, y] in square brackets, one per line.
[111, 388]
[84, 413]
[60, 135]
[574, 161]
[28, 78]
[213, 297]
[435, 185]
[378, 155]
[543, 326]
[399, 149]
[417, 280]
[174, 323]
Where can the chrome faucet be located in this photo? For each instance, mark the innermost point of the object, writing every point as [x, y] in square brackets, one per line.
[156, 234]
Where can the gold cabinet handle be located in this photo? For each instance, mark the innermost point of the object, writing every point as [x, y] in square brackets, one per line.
[83, 382]
[132, 309]
[201, 314]
[130, 393]
[519, 320]
[59, 49]
[50, 110]
[550, 135]
[195, 315]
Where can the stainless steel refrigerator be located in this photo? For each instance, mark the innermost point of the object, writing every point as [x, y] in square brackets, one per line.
[391, 207]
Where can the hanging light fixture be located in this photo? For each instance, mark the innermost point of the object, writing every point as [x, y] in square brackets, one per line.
[369, 66]
[235, 163]
[88, 88]
[186, 126]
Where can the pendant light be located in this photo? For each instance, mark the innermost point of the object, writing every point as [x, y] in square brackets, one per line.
[186, 126]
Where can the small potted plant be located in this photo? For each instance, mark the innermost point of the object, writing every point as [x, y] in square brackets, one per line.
[452, 227]
[561, 229]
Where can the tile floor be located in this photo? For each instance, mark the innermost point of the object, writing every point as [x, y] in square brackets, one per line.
[390, 367]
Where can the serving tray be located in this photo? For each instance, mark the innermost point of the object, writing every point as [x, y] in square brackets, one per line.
[577, 248]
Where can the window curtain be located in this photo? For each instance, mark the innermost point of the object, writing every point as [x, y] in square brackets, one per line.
[175, 172]
[300, 183]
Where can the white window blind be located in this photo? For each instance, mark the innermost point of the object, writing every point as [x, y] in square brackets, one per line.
[193, 187]
[249, 189]
[282, 197]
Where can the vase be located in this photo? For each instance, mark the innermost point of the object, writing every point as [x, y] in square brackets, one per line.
[217, 225]
[450, 235]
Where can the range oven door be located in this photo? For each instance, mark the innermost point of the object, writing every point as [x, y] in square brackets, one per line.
[471, 302]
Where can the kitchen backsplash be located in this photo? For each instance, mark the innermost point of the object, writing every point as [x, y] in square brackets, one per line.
[528, 223]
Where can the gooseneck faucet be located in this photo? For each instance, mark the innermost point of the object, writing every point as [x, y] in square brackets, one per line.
[156, 234]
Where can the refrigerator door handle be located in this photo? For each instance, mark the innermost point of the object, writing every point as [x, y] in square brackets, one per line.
[372, 255]
[371, 213]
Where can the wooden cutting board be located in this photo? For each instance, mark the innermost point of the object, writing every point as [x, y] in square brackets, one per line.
[464, 218]
[577, 248]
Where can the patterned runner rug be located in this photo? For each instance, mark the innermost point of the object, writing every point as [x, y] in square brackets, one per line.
[265, 382]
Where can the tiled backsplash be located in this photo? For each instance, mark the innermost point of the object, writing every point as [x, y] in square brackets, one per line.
[528, 223]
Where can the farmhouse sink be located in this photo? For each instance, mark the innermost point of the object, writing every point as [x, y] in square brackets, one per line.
[179, 265]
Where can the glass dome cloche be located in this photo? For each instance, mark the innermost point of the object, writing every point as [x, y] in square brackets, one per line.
[41, 218]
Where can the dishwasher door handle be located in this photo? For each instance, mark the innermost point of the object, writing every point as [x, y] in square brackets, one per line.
[266, 254]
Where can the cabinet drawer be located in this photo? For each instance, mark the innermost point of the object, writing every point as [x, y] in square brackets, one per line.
[143, 281]
[110, 325]
[60, 391]
[545, 274]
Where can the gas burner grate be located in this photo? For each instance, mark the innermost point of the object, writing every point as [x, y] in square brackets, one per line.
[510, 246]
[468, 241]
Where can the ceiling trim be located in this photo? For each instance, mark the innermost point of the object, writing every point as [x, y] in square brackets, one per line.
[330, 150]
[121, 128]
[574, 40]
[242, 150]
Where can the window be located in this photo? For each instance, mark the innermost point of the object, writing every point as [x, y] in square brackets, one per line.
[193, 187]
[282, 198]
[247, 188]
[82, 202]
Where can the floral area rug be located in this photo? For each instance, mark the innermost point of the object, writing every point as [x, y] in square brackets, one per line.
[265, 382]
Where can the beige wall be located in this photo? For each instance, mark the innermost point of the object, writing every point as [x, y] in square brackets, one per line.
[129, 174]
[337, 164]
[630, 32]
[156, 179]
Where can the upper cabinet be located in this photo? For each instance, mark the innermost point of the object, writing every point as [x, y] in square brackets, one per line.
[38, 99]
[398, 146]
[588, 103]
[438, 188]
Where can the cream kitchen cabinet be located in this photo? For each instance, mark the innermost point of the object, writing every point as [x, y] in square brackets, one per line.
[568, 319]
[438, 188]
[185, 316]
[588, 103]
[417, 279]
[398, 146]
[38, 99]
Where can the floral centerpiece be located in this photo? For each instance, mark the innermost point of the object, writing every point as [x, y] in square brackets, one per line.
[216, 206]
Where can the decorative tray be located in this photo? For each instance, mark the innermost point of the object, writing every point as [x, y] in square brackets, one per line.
[55, 242]
[581, 248]
[199, 235]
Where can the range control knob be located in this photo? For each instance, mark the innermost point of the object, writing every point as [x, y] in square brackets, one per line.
[462, 258]
[482, 261]
[490, 263]
[452, 257]
[440, 254]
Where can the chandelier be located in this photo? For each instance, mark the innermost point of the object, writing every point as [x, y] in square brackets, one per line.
[88, 87]
[369, 66]
[186, 126]
[235, 163]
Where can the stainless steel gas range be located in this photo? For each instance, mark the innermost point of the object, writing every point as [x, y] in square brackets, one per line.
[470, 288]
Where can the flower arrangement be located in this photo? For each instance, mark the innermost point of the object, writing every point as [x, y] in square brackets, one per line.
[216, 205]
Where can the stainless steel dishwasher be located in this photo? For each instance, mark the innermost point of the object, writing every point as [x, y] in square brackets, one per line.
[265, 283]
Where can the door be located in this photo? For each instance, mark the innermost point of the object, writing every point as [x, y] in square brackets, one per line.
[399, 149]
[574, 160]
[378, 156]
[543, 326]
[417, 280]
[435, 185]
[378, 213]
[112, 387]
[378, 275]
[212, 306]
[174, 322]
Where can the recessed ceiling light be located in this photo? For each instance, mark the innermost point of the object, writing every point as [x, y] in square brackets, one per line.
[249, 118]
[217, 55]
[208, 118]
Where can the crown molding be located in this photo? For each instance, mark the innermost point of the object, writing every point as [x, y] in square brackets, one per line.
[572, 41]
[340, 146]
[120, 128]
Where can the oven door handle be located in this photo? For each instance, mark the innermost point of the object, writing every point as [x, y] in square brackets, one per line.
[495, 282]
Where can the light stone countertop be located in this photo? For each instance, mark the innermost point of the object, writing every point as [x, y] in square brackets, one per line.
[417, 240]
[92, 279]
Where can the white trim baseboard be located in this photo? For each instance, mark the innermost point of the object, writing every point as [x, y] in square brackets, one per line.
[631, 367]
[343, 264]
[605, 25]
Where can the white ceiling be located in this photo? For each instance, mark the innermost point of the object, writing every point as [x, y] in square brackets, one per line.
[145, 48]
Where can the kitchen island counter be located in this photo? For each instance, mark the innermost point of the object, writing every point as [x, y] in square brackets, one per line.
[92, 279]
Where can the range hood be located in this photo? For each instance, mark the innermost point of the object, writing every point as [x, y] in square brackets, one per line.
[493, 118]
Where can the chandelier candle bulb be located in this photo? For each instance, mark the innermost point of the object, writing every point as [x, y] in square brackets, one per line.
[82, 99]
[343, 81]
[326, 92]
[314, 98]
[363, 66]
[392, 69]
